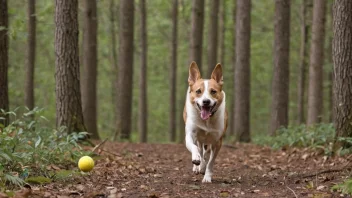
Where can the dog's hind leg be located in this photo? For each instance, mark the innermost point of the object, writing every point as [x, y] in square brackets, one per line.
[214, 150]
[205, 157]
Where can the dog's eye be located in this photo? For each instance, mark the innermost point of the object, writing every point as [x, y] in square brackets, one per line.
[198, 91]
[213, 92]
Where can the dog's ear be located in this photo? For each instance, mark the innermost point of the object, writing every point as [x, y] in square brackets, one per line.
[194, 73]
[217, 74]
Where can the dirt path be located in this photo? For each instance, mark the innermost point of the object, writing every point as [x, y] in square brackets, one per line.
[155, 170]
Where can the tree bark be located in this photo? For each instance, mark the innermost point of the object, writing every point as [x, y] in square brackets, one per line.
[31, 43]
[222, 30]
[280, 83]
[213, 36]
[125, 70]
[143, 102]
[342, 53]
[113, 57]
[4, 57]
[173, 71]
[89, 77]
[232, 107]
[303, 63]
[315, 89]
[197, 32]
[242, 71]
[68, 95]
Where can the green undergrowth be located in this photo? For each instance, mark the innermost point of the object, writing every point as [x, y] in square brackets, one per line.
[320, 136]
[33, 152]
[344, 187]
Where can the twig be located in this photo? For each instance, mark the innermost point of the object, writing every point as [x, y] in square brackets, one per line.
[110, 153]
[99, 145]
[323, 172]
[292, 191]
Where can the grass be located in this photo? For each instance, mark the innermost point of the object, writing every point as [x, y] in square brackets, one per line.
[28, 147]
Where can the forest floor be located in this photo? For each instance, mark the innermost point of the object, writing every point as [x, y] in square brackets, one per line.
[165, 170]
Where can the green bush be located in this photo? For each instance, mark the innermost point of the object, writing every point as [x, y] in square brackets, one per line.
[345, 187]
[28, 147]
[320, 136]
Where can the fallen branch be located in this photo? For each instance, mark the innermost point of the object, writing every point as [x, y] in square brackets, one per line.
[99, 145]
[323, 172]
[292, 191]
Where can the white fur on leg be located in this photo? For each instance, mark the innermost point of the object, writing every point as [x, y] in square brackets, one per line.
[195, 169]
[207, 178]
[193, 149]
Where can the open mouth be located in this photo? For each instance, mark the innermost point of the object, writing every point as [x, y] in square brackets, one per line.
[206, 111]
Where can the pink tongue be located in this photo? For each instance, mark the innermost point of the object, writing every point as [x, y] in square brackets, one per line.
[205, 113]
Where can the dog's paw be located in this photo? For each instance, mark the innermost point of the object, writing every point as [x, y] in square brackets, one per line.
[206, 179]
[195, 169]
[196, 162]
[196, 159]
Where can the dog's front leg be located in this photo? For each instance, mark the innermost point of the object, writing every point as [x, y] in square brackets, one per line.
[192, 147]
[214, 150]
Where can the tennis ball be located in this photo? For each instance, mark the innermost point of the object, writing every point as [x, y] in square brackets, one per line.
[85, 163]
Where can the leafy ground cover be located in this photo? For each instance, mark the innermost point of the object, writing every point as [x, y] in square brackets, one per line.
[38, 161]
[164, 170]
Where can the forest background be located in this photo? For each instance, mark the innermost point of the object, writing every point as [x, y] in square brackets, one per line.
[159, 31]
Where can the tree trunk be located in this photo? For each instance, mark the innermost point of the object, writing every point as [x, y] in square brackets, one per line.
[303, 63]
[113, 57]
[242, 71]
[68, 95]
[4, 56]
[232, 107]
[197, 32]
[213, 36]
[222, 30]
[89, 77]
[125, 70]
[342, 53]
[143, 102]
[315, 89]
[173, 71]
[29, 81]
[280, 83]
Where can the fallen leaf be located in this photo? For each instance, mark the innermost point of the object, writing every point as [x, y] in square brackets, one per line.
[224, 194]
[320, 187]
[305, 156]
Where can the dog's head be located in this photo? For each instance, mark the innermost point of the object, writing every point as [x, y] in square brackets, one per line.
[205, 94]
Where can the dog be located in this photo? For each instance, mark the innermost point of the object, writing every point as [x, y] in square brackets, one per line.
[205, 117]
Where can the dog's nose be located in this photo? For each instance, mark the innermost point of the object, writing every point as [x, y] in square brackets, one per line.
[206, 102]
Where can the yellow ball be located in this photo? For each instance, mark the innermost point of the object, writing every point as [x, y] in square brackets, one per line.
[86, 164]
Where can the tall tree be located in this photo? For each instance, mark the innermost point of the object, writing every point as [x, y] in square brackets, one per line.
[242, 71]
[143, 110]
[213, 36]
[342, 53]
[303, 62]
[89, 77]
[315, 89]
[280, 83]
[233, 101]
[222, 30]
[4, 57]
[31, 42]
[173, 70]
[197, 32]
[67, 75]
[125, 69]
[112, 12]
